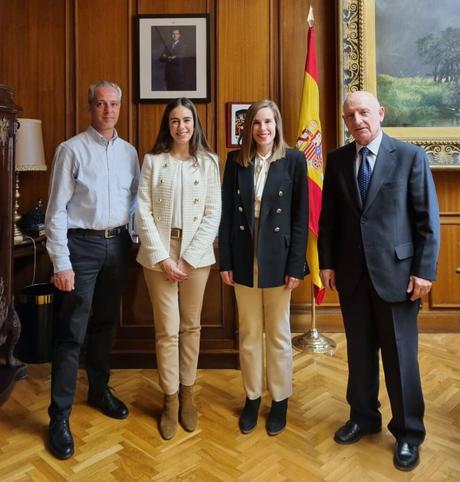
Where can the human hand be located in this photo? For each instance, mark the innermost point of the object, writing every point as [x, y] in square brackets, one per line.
[171, 271]
[328, 278]
[64, 280]
[184, 266]
[290, 282]
[418, 287]
[227, 277]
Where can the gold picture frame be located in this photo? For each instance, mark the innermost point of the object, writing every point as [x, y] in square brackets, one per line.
[357, 70]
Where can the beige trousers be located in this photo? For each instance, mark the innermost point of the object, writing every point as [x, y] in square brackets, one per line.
[265, 309]
[177, 314]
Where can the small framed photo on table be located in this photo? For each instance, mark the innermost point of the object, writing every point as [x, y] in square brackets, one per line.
[172, 57]
[236, 114]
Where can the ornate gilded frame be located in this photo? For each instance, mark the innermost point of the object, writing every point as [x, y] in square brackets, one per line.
[357, 70]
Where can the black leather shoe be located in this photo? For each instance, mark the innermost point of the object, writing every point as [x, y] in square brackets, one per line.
[249, 415]
[108, 404]
[406, 456]
[351, 432]
[276, 422]
[60, 439]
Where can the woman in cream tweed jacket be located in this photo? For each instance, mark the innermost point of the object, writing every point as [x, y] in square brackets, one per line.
[179, 206]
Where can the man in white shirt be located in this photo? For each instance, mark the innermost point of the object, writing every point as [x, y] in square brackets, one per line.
[92, 196]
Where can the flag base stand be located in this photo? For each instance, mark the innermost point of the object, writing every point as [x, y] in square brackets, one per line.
[313, 341]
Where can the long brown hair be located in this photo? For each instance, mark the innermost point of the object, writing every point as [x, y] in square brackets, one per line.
[248, 146]
[164, 141]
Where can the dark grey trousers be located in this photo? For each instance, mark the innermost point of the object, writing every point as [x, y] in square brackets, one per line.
[91, 311]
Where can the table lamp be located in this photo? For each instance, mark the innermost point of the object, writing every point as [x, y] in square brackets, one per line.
[29, 156]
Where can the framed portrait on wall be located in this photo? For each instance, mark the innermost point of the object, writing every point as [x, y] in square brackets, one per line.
[236, 114]
[172, 57]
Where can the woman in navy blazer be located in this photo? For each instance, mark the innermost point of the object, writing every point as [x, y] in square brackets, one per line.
[262, 245]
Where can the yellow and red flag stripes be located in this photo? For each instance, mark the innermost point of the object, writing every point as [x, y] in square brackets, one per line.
[309, 142]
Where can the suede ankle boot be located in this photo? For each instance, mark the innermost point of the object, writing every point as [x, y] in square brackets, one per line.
[276, 422]
[169, 416]
[249, 415]
[188, 414]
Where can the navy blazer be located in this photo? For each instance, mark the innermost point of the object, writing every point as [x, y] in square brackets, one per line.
[394, 235]
[283, 221]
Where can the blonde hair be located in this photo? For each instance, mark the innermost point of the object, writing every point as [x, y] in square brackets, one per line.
[248, 146]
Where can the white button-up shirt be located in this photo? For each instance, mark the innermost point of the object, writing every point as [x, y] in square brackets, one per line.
[373, 147]
[93, 185]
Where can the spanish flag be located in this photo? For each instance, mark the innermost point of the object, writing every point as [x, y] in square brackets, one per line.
[309, 142]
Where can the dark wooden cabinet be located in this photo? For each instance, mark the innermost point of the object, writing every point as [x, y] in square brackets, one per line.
[10, 327]
[31, 263]
[134, 344]
[8, 113]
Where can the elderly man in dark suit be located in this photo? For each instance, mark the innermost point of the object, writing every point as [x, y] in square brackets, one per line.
[379, 244]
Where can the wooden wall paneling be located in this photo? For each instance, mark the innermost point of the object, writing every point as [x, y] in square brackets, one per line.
[446, 290]
[447, 187]
[133, 111]
[209, 123]
[276, 59]
[158, 7]
[103, 51]
[70, 81]
[244, 57]
[32, 56]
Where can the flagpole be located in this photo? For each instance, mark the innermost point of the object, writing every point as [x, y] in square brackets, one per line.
[309, 131]
[312, 340]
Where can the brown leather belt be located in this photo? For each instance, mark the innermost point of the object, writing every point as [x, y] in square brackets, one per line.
[176, 233]
[103, 233]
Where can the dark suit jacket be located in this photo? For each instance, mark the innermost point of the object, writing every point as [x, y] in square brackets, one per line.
[175, 68]
[283, 221]
[395, 234]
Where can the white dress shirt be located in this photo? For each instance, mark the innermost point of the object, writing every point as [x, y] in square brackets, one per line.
[373, 147]
[261, 167]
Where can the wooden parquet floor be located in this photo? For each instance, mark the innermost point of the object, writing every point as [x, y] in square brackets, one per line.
[132, 450]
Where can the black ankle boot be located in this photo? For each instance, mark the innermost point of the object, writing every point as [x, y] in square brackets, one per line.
[249, 415]
[276, 422]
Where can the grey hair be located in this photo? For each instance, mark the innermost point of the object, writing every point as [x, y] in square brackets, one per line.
[102, 83]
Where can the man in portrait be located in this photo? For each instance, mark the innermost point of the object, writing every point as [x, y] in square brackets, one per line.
[174, 57]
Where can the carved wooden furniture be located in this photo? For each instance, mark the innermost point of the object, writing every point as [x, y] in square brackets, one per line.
[10, 326]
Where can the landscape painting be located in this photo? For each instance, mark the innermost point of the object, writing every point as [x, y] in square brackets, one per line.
[418, 62]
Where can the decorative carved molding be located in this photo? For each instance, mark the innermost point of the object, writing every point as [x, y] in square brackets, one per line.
[352, 43]
[10, 327]
[442, 153]
[4, 127]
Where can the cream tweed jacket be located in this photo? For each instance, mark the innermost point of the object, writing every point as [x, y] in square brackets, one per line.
[201, 209]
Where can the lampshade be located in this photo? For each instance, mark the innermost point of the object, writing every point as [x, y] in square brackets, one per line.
[30, 154]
